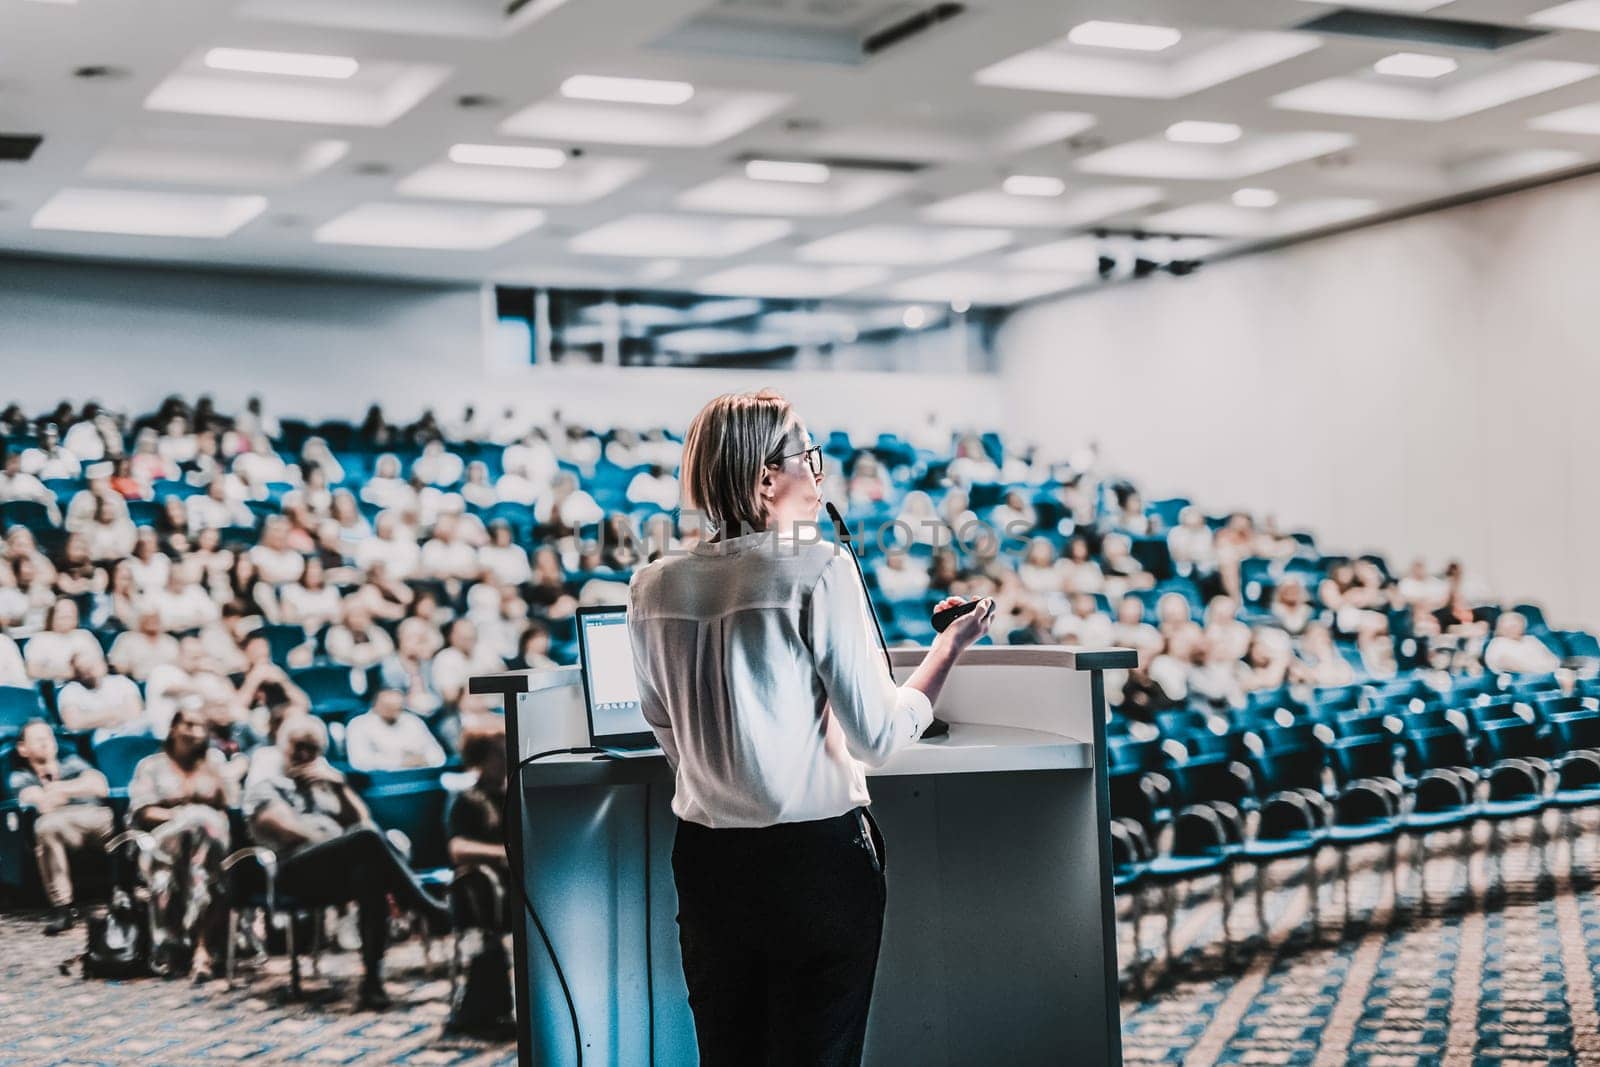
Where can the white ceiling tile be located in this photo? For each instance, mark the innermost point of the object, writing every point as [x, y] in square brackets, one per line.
[147, 214]
[657, 236]
[903, 245]
[579, 181]
[789, 280]
[435, 226]
[1077, 207]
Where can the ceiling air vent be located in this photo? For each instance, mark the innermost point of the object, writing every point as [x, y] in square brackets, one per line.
[848, 32]
[18, 147]
[1414, 29]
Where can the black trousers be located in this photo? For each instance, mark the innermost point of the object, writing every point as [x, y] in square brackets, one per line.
[361, 866]
[780, 929]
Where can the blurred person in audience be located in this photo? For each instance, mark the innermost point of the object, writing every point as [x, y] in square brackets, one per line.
[267, 687]
[73, 817]
[1291, 605]
[502, 559]
[328, 850]
[533, 651]
[386, 489]
[462, 657]
[76, 573]
[654, 485]
[316, 453]
[109, 705]
[500, 614]
[259, 467]
[473, 823]
[48, 460]
[313, 495]
[172, 526]
[1266, 663]
[180, 796]
[1273, 543]
[548, 588]
[478, 490]
[1140, 695]
[151, 567]
[409, 670]
[353, 526]
[1129, 517]
[13, 671]
[1513, 650]
[1214, 674]
[206, 466]
[385, 598]
[1458, 620]
[1080, 573]
[390, 738]
[1421, 589]
[83, 438]
[33, 584]
[216, 508]
[138, 651]
[447, 557]
[276, 562]
[191, 682]
[437, 466]
[50, 653]
[1170, 669]
[1224, 629]
[1192, 545]
[224, 637]
[310, 602]
[1014, 516]
[579, 446]
[399, 554]
[17, 484]
[1354, 604]
[1130, 629]
[1233, 543]
[147, 465]
[1122, 572]
[109, 535]
[1085, 626]
[1319, 662]
[118, 607]
[566, 507]
[971, 463]
[176, 443]
[945, 571]
[357, 641]
[375, 431]
[901, 577]
[254, 422]
[532, 459]
[183, 604]
[619, 544]
[22, 545]
[866, 484]
[957, 518]
[1026, 624]
[124, 483]
[921, 521]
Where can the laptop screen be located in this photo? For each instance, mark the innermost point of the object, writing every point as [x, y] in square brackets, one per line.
[610, 691]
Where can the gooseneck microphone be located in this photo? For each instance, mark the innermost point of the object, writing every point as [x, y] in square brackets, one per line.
[938, 727]
[842, 532]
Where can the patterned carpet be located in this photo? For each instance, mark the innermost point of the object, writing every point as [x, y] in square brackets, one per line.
[1471, 978]
[1476, 977]
[51, 1019]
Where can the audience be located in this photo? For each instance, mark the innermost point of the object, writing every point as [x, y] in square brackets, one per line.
[73, 817]
[390, 738]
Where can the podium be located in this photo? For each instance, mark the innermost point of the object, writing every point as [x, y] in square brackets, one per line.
[999, 941]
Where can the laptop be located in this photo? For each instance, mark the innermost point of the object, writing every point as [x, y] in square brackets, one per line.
[617, 724]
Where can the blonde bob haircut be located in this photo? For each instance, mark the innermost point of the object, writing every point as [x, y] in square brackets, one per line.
[728, 445]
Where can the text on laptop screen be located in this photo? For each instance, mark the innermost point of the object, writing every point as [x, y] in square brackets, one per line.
[614, 707]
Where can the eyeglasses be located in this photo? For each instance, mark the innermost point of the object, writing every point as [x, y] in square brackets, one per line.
[813, 458]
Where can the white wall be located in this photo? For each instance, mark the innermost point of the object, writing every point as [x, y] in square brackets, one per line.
[1427, 386]
[327, 348]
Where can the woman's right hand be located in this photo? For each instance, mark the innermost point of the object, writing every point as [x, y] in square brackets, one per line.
[961, 633]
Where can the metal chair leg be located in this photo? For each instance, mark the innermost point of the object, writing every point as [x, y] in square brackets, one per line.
[1344, 882]
[294, 958]
[1227, 909]
[1169, 897]
[1420, 861]
[230, 949]
[1314, 888]
[1136, 903]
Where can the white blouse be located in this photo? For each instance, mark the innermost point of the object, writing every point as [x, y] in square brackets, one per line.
[760, 674]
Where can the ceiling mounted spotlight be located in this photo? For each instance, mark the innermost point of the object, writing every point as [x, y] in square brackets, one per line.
[1105, 266]
[475, 101]
[1143, 268]
[1180, 267]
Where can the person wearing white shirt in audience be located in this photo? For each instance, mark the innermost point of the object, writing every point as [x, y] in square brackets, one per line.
[900, 577]
[478, 490]
[311, 601]
[532, 460]
[386, 489]
[446, 556]
[1422, 590]
[49, 654]
[13, 671]
[150, 566]
[390, 738]
[191, 682]
[399, 554]
[502, 559]
[109, 536]
[16, 484]
[84, 439]
[1511, 650]
[410, 669]
[1192, 544]
[137, 652]
[224, 639]
[436, 466]
[1014, 516]
[567, 504]
[1085, 626]
[49, 460]
[176, 444]
[108, 704]
[461, 658]
[81, 508]
[217, 507]
[972, 463]
[507, 428]
[275, 561]
[1130, 629]
[357, 641]
[183, 603]
[259, 466]
[654, 486]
